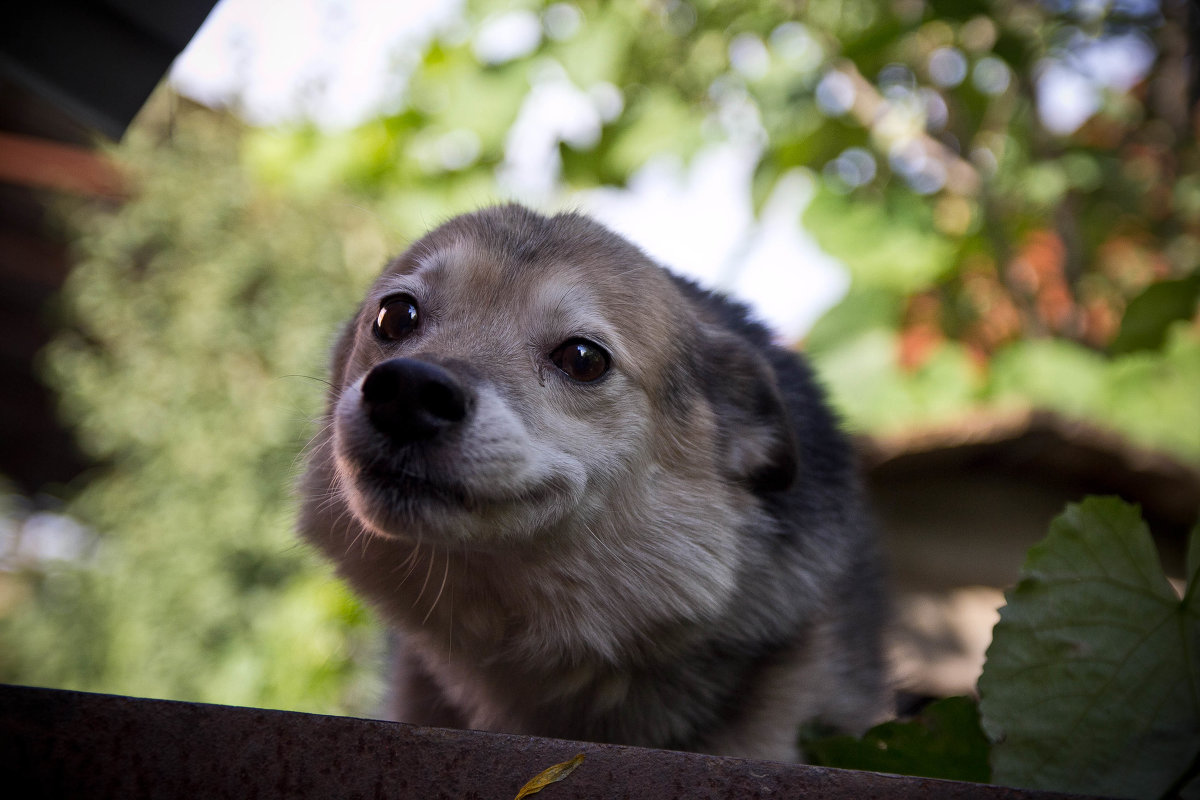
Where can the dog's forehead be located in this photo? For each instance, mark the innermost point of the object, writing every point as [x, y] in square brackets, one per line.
[487, 290]
[574, 286]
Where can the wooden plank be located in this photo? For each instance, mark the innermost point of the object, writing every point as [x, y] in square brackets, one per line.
[42, 164]
[57, 743]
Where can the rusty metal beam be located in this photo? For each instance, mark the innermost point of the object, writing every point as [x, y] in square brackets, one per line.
[56, 743]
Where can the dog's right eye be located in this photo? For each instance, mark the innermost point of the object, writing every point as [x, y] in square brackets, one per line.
[580, 360]
[397, 317]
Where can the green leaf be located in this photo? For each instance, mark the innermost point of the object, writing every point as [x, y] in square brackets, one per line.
[660, 121]
[1091, 683]
[1151, 313]
[858, 312]
[944, 741]
[867, 385]
[598, 53]
[890, 245]
[1051, 373]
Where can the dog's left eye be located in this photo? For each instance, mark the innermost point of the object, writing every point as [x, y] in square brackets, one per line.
[581, 360]
[397, 317]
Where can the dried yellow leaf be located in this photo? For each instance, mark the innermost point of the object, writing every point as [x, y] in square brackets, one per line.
[548, 776]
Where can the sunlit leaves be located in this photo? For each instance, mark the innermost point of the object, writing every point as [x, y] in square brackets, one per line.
[863, 310]
[456, 93]
[1149, 395]
[889, 245]
[660, 121]
[595, 53]
[875, 393]
[1049, 373]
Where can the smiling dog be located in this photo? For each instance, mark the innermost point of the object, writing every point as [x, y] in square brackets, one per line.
[593, 500]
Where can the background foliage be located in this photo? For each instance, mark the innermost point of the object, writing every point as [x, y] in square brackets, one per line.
[993, 262]
[196, 310]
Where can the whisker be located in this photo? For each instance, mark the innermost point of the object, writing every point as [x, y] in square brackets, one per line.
[450, 630]
[608, 548]
[308, 446]
[425, 583]
[442, 588]
[409, 562]
[412, 557]
[307, 377]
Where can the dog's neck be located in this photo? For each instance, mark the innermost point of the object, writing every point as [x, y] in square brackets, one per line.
[596, 598]
[599, 588]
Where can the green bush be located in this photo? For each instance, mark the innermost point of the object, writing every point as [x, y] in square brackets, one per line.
[199, 317]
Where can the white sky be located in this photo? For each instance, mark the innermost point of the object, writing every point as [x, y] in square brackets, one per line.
[333, 61]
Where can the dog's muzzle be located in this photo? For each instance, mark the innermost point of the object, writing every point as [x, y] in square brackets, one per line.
[409, 400]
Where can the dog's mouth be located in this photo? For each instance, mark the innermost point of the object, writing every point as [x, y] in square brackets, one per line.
[392, 498]
[406, 483]
[418, 447]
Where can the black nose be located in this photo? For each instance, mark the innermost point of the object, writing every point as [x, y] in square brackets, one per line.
[410, 400]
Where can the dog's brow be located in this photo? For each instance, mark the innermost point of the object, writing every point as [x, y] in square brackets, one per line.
[574, 309]
[429, 264]
[390, 284]
[411, 274]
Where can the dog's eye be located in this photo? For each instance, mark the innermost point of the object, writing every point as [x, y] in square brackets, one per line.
[580, 360]
[397, 317]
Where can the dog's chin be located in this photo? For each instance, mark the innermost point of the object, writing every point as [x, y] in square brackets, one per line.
[399, 506]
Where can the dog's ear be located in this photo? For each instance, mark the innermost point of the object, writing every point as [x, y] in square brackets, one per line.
[759, 443]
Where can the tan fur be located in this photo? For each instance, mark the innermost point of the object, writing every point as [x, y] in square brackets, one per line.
[580, 541]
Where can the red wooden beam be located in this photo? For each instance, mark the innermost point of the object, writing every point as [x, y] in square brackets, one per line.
[43, 164]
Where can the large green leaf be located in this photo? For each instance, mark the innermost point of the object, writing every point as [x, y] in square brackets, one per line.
[944, 741]
[1091, 683]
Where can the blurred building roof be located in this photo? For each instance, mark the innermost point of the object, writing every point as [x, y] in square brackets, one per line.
[97, 62]
[960, 504]
[70, 73]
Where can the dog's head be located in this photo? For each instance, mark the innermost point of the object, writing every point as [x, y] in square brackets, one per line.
[512, 375]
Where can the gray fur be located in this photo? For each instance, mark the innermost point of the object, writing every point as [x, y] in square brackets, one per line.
[675, 555]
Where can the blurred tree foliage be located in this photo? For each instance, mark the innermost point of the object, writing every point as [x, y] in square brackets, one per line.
[993, 262]
[200, 314]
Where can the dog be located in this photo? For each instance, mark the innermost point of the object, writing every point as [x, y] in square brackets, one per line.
[593, 501]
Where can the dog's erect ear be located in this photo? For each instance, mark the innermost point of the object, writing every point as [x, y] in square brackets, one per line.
[759, 443]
